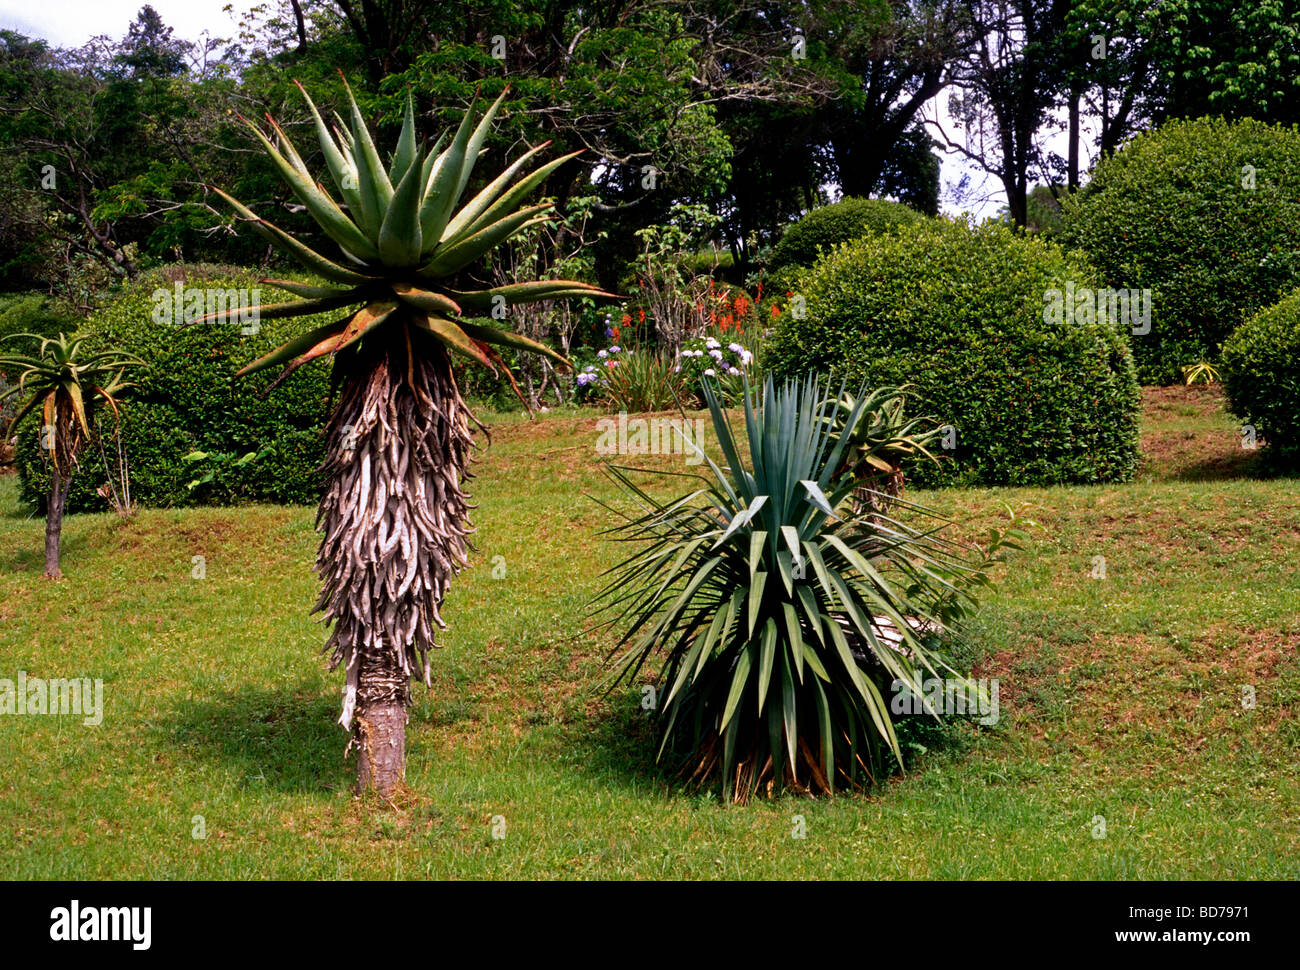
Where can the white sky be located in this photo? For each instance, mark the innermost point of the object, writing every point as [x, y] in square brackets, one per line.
[70, 23]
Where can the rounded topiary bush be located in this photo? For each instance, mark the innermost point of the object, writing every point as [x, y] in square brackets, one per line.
[1033, 397]
[1261, 373]
[188, 400]
[827, 226]
[1205, 214]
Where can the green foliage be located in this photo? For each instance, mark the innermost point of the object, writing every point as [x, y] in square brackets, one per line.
[34, 313]
[784, 621]
[1261, 373]
[960, 313]
[1206, 214]
[187, 401]
[640, 380]
[829, 225]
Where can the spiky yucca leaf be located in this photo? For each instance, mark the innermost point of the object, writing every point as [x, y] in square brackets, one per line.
[782, 620]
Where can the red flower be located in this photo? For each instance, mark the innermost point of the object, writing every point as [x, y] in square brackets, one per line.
[627, 318]
[640, 316]
[776, 310]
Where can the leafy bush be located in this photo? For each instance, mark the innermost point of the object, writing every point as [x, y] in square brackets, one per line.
[34, 312]
[783, 620]
[827, 226]
[1261, 372]
[1204, 213]
[187, 400]
[963, 314]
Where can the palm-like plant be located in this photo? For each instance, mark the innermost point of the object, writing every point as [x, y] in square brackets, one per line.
[67, 385]
[783, 618]
[394, 514]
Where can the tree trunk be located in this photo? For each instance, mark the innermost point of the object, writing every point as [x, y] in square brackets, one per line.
[54, 523]
[395, 527]
[379, 730]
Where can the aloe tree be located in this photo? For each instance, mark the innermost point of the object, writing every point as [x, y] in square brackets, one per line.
[394, 513]
[67, 385]
[779, 616]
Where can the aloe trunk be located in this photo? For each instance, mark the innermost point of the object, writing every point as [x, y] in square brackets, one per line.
[55, 502]
[395, 525]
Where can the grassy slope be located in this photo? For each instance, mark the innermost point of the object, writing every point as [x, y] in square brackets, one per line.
[1120, 698]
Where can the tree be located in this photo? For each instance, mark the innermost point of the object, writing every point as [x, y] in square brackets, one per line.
[66, 385]
[1005, 90]
[394, 514]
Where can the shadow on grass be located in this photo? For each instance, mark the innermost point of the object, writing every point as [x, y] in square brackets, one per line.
[32, 559]
[286, 739]
[620, 747]
[617, 745]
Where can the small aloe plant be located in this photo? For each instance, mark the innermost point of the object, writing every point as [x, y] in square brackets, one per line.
[67, 385]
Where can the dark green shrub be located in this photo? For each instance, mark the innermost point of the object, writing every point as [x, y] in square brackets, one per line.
[188, 400]
[960, 313]
[1206, 214]
[1261, 373]
[34, 312]
[829, 225]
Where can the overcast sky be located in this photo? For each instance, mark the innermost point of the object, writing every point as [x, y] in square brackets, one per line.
[70, 23]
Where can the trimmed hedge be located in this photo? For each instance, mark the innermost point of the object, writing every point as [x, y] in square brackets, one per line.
[1261, 373]
[189, 400]
[827, 226]
[1175, 212]
[960, 313]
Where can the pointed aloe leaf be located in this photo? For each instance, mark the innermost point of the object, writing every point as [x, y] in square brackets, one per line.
[308, 291]
[341, 167]
[515, 341]
[454, 337]
[281, 240]
[427, 300]
[324, 210]
[399, 236]
[471, 210]
[376, 190]
[472, 301]
[461, 254]
[476, 144]
[365, 320]
[78, 406]
[298, 345]
[405, 155]
[276, 311]
[517, 193]
[440, 196]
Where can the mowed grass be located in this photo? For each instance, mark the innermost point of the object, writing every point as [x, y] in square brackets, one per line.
[1121, 697]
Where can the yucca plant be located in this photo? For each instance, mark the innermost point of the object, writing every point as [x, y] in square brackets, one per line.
[394, 514]
[782, 619]
[67, 385]
[880, 441]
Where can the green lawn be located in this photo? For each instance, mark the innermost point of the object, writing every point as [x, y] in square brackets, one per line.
[1121, 697]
